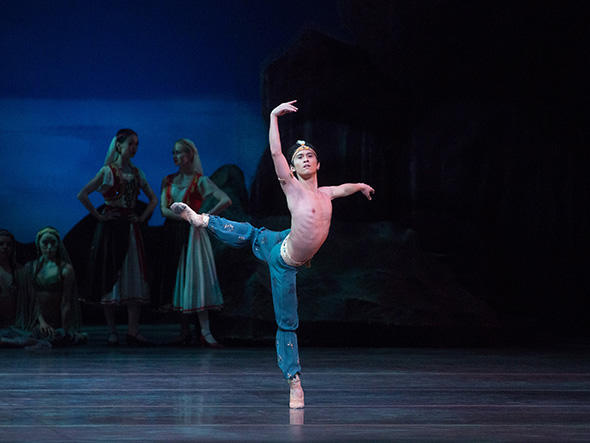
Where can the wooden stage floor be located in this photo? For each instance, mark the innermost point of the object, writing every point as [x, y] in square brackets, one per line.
[96, 393]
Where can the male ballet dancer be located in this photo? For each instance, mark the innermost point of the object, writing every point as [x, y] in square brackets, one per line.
[285, 251]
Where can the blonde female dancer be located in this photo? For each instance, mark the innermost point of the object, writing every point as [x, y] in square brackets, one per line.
[188, 281]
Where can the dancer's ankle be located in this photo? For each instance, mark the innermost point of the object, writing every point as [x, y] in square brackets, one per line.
[204, 220]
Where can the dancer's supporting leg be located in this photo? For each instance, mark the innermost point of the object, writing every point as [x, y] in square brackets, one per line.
[266, 245]
[284, 297]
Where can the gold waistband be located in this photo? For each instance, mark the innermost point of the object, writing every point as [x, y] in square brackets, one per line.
[287, 258]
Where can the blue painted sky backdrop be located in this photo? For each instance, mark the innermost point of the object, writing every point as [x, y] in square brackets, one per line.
[73, 72]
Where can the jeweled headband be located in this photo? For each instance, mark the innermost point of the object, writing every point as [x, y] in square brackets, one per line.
[46, 230]
[302, 147]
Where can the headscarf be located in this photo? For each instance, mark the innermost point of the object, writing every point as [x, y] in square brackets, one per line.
[112, 154]
[62, 254]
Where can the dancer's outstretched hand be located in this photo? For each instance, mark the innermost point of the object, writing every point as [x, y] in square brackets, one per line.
[284, 108]
[367, 191]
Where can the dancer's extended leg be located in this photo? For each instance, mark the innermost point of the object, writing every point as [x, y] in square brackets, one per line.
[235, 234]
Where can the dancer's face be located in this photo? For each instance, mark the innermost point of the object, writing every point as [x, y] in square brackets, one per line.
[5, 246]
[305, 163]
[181, 156]
[48, 245]
[128, 147]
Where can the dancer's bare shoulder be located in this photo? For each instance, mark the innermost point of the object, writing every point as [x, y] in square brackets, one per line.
[326, 191]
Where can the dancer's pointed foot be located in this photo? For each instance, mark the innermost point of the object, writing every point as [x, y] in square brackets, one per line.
[185, 211]
[296, 400]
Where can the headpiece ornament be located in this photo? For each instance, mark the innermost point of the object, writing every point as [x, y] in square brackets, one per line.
[112, 153]
[302, 147]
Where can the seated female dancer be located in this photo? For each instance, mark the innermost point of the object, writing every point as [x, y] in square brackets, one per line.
[48, 294]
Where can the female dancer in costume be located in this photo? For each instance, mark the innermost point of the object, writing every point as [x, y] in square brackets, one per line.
[117, 269]
[286, 251]
[188, 282]
[47, 295]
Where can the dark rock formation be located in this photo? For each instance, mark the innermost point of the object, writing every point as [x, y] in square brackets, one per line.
[370, 274]
[465, 117]
[230, 178]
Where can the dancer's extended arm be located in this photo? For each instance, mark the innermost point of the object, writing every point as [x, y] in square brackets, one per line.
[347, 189]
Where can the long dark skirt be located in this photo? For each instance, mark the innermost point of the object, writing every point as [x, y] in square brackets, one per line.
[108, 251]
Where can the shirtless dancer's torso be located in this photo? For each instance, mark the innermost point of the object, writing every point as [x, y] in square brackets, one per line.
[311, 213]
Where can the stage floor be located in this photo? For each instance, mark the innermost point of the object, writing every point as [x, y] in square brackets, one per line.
[96, 393]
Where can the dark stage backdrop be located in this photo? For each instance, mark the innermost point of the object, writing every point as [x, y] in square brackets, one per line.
[74, 72]
[469, 118]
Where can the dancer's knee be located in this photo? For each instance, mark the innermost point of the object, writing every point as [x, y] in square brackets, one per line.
[287, 323]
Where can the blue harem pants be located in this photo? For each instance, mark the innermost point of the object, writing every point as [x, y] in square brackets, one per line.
[266, 245]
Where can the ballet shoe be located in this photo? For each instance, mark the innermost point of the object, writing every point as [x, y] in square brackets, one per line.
[178, 208]
[208, 344]
[185, 211]
[296, 397]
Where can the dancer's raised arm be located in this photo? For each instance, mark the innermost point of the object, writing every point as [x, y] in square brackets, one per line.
[274, 138]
